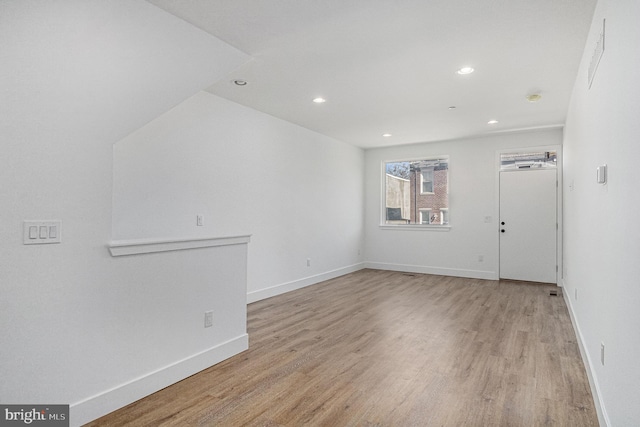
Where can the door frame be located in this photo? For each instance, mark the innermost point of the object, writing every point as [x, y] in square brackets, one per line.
[559, 197]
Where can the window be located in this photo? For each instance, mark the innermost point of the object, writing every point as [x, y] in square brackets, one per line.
[426, 177]
[416, 192]
[529, 160]
[425, 215]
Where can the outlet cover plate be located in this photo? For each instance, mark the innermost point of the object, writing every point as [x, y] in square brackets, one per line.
[208, 319]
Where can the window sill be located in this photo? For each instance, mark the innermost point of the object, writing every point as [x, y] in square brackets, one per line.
[415, 227]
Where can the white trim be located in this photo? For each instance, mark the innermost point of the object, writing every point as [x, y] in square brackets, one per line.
[109, 400]
[301, 283]
[442, 212]
[603, 418]
[142, 246]
[558, 148]
[524, 129]
[422, 227]
[439, 271]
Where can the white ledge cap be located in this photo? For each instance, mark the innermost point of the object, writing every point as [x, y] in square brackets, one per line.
[142, 246]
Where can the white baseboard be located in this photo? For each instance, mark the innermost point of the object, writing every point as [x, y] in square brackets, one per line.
[472, 274]
[312, 280]
[603, 418]
[301, 283]
[108, 401]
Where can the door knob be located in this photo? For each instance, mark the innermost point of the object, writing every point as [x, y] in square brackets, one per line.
[502, 231]
[502, 223]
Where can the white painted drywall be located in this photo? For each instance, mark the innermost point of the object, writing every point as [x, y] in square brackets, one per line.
[297, 193]
[602, 231]
[76, 77]
[473, 195]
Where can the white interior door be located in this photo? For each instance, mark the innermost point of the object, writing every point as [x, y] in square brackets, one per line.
[528, 225]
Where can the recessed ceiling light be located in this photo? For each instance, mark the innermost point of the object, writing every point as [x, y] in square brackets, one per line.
[319, 100]
[240, 82]
[492, 122]
[465, 70]
[535, 97]
[386, 135]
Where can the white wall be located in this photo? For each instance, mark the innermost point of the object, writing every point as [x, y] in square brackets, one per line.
[473, 189]
[97, 332]
[76, 77]
[602, 231]
[299, 194]
[79, 76]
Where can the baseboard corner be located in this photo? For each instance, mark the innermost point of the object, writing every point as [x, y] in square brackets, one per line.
[119, 396]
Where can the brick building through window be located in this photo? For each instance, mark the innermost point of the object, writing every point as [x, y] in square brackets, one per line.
[417, 192]
[429, 195]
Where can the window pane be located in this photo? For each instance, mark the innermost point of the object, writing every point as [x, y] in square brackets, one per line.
[416, 192]
[425, 214]
[397, 193]
[427, 181]
[538, 159]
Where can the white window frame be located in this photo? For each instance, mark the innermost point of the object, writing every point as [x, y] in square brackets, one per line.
[444, 211]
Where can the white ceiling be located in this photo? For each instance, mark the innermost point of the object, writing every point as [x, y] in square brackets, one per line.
[389, 66]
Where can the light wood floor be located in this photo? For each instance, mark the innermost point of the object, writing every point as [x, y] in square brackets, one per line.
[378, 348]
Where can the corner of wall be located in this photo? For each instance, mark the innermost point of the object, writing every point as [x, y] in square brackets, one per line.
[301, 283]
[603, 419]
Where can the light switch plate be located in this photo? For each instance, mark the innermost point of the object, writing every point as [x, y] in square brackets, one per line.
[41, 232]
[601, 174]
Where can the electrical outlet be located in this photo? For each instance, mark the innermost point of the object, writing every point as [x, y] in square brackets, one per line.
[308, 262]
[602, 353]
[208, 319]
[199, 220]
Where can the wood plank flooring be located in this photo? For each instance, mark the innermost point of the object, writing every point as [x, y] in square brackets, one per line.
[379, 348]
